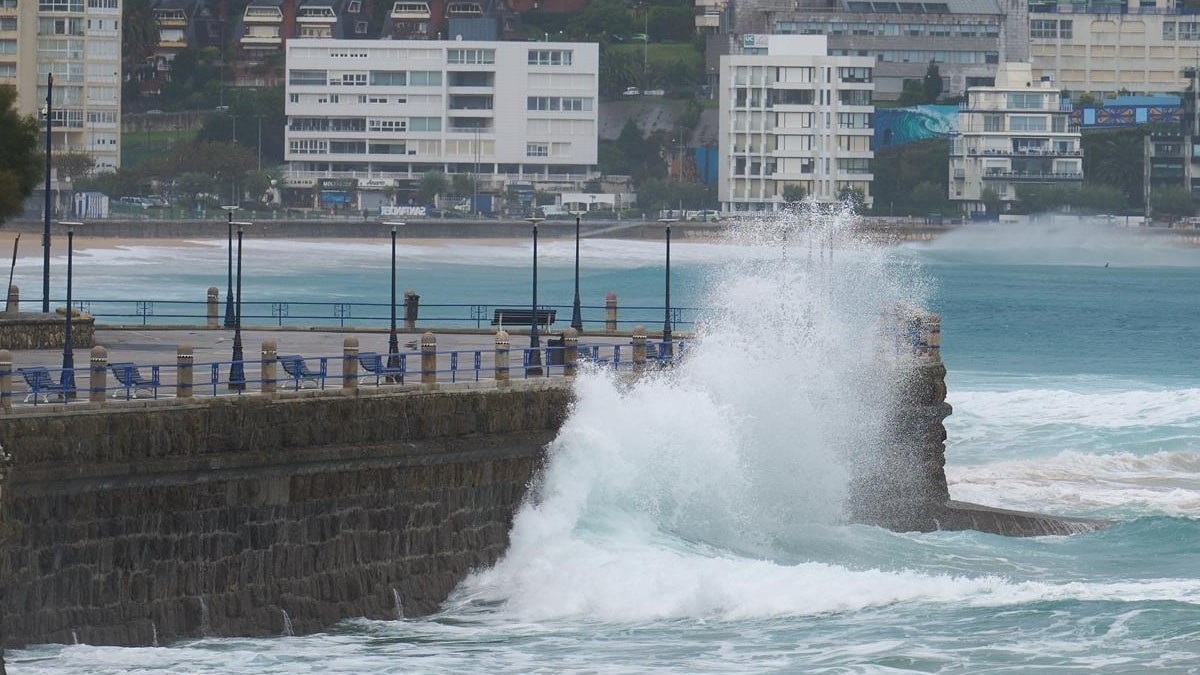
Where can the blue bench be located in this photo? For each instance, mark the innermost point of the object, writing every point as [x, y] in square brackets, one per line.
[376, 364]
[132, 380]
[41, 384]
[297, 369]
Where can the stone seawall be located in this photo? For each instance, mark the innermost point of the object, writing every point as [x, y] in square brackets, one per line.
[250, 515]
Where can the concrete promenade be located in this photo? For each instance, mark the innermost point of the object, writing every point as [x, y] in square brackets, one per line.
[149, 347]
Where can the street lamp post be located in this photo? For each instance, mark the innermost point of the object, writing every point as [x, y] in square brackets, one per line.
[229, 318]
[393, 360]
[67, 380]
[667, 348]
[576, 314]
[46, 205]
[534, 367]
[237, 369]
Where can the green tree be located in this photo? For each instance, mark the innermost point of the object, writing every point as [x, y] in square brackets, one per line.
[932, 84]
[913, 93]
[992, 201]
[19, 158]
[139, 34]
[599, 20]
[1115, 158]
[1172, 202]
[793, 193]
[929, 197]
[74, 165]
[432, 184]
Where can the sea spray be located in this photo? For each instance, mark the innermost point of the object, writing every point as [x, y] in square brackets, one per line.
[750, 439]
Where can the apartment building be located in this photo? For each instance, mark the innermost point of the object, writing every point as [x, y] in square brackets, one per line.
[967, 39]
[78, 42]
[368, 118]
[1136, 46]
[1015, 133]
[793, 118]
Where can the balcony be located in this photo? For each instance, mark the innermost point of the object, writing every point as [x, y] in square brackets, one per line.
[170, 18]
[460, 10]
[316, 14]
[1007, 174]
[709, 19]
[260, 14]
[411, 11]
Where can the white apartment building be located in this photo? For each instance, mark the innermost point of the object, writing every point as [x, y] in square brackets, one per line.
[1138, 46]
[1017, 132]
[793, 117]
[376, 115]
[79, 43]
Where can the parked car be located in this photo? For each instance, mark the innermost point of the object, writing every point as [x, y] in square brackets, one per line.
[632, 91]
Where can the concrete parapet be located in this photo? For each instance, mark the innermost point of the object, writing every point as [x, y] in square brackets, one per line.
[350, 363]
[213, 307]
[185, 362]
[503, 349]
[270, 365]
[639, 349]
[428, 359]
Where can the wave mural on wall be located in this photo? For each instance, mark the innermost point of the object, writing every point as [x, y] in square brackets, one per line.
[897, 126]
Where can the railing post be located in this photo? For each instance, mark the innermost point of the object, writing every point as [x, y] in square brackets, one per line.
[610, 311]
[639, 349]
[6, 366]
[214, 305]
[270, 357]
[184, 360]
[98, 377]
[570, 339]
[503, 344]
[428, 358]
[13, 305]
[412, 303]
[350, 363]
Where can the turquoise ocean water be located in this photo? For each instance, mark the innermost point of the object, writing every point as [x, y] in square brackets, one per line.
[692, 523]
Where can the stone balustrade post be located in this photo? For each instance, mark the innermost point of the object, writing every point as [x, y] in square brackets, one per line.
[6, 369]
[185, 360]
[639, 349]
[610, 311]
[350, 363]
[503, 345]
[270, 359]
[570, 338]
[412, 304]
[14, 300]
[428, 358]
[98, 376]
[214, 306]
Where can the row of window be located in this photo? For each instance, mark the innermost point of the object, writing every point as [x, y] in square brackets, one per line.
[884, 28]
[377, 78]
[557, 103]
[921, 56]
[342, 147]
[1052, 28]
[1181, 30]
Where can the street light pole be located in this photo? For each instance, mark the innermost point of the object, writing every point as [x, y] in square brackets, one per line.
[229, 318]
[46, 206]
[667, 348]
[393, 360]
[67, 380]
[237, 370]
[534, 367]
[576, 314]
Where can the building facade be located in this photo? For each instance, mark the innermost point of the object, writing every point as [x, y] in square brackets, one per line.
[78, 42]
[374, 116]
[1018, 132]
[793, 120]
[1105, 48]
[967, 39]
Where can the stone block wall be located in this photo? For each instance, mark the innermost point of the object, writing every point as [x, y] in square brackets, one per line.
[44, 331]
[218, 517]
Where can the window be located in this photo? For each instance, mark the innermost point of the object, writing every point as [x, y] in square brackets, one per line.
[854, 96]
[854, 74]
[471, 56]
[1043, 28]
[308, 146]
[348, 147]
[354, 7]
[350, 80]
[425, 78]
[8, 46]
[549, 57]
[1027, 123]
[8, 23]
[574, 104]
[387, 125]
[306, 77]
[360, 28]
[854, 120]
[388, 78]
[425, 124]
[1066, 30]
[60, 5]
[1023, 101]
[103, 4]
[537, 149]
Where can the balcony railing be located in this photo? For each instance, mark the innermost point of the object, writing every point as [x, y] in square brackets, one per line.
[1008, 174]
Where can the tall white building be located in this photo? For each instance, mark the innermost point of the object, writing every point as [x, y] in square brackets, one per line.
[375, 115]
[79, 43]
[791, 117]
[1017, 132]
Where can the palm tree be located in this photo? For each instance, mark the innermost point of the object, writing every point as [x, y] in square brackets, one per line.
[1115, 158]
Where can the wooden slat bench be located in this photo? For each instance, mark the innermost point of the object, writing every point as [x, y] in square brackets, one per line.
[133, 381]
[297, 369]
[376, 364]
[510, 316]
[41, 383]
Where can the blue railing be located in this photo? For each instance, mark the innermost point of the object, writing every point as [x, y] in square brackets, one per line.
[213, 378]
[359, 314]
